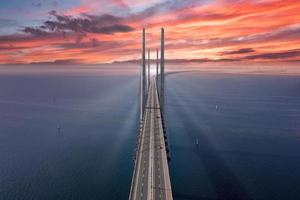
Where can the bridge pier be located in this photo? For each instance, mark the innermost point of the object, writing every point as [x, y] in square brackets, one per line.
[142, 78]
[162, 71]
[149, 62]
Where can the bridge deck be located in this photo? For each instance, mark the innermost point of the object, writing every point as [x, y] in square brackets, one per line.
[151, 178]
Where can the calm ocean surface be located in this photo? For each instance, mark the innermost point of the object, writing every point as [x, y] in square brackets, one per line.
[91, 156]
[248, 132]
[247, 128]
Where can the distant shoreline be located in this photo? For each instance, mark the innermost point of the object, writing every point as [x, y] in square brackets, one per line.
[284, 69]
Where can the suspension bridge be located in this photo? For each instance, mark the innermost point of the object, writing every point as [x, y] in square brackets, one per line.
[151, 179]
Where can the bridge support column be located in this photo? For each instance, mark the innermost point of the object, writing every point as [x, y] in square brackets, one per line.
[157, 63]
[162, 70]
[142, 78]
[149, 60]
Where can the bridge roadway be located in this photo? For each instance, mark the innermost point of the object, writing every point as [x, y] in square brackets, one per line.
[151, 180]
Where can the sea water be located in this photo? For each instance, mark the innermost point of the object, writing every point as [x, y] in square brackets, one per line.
[67, 135]
[233, 136]
[71, 134]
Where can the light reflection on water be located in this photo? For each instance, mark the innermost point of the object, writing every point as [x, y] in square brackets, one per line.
[247, 127]
[89, 158]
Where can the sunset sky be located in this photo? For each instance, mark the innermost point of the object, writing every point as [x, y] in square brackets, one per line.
[100, 31]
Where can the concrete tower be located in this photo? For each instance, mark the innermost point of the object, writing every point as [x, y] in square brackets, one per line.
[156, 77]
[142, 78]
[162, 69]
[149, 61]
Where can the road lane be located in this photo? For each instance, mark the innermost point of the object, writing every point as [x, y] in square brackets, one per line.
[151, 178]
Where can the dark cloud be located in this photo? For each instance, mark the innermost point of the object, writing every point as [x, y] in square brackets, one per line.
[34, 31]
[277, 55]
[103, 24]
[239, 51]
[104, 20]
[11, 47]
[12, 38]
[36, 4]
[114, 28]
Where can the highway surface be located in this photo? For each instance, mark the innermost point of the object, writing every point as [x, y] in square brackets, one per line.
[151, 180]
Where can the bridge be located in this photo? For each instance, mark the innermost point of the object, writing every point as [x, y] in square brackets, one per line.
[151, 179]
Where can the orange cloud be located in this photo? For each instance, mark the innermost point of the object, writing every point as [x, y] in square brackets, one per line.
[256, 30]
[78, 10]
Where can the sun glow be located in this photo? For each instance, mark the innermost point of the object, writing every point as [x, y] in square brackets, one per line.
[208, 31]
